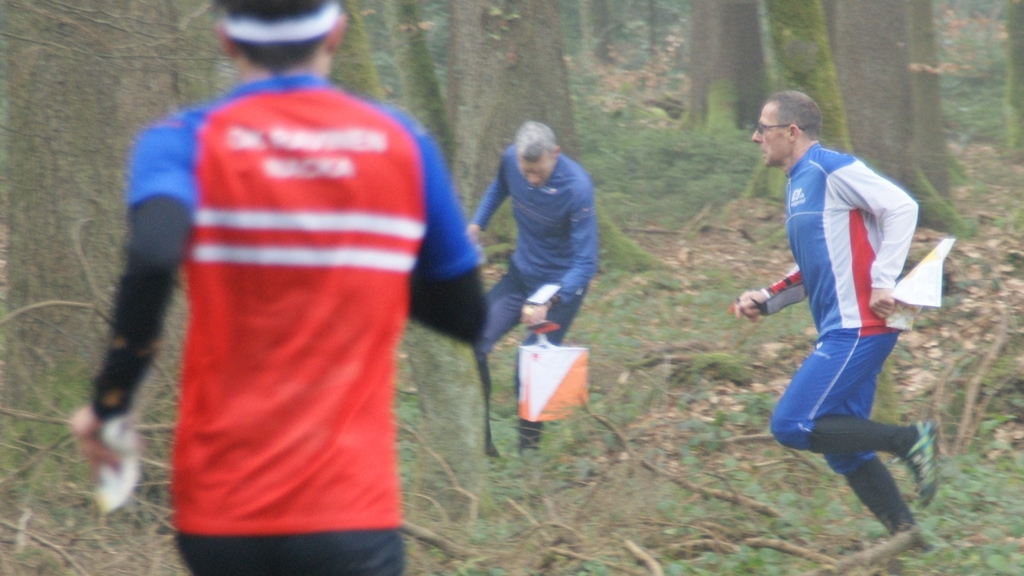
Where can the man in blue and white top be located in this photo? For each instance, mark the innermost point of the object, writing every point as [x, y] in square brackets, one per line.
[849, 231]
[553, 206]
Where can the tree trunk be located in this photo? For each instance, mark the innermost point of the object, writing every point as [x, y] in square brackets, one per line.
[874, 65]
[502, 73]
[443, 370]
[871, 62]
[930, 154]
[652, 28]
[604, 27]
[802, 51]
[586, 29]
[353, 64]
[450, 467]
[1015, 75]
[729, 81]
[421, 90]
[829, 6]
[77, 94]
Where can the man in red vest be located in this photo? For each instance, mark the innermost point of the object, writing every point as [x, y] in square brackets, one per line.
[308, 223]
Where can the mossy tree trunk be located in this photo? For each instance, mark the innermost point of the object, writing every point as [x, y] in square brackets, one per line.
[420, 88]
[353, 65]
[443, 370]
[803, 57]
[1015, 75]
[502, 73]
[800, 39]
[729, 80]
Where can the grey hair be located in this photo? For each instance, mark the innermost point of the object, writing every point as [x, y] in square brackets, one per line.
[797, 108]
[533, 139]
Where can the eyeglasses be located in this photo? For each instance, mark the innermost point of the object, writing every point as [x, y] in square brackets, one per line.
[760, 128]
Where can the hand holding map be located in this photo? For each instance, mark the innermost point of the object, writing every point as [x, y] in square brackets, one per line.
[921, 287]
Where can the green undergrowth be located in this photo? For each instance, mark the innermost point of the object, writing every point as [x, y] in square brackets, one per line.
[660, 176]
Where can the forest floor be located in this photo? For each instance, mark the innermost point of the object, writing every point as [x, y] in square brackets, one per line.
[675, 435]
[669, 469]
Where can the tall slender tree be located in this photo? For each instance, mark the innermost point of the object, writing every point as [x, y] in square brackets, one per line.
[1015, 75]
[603, 21]
[930, 154]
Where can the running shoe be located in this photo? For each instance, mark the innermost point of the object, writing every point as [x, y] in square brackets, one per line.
[923, 462]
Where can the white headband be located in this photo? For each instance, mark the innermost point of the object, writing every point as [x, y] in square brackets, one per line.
[296, 29]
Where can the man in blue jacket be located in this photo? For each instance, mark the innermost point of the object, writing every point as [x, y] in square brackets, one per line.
[553, 206]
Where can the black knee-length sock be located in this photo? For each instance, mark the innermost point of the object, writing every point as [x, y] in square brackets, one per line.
[849, 434]
[875, 487]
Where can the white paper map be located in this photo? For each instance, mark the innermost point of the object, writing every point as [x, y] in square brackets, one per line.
[921, 287]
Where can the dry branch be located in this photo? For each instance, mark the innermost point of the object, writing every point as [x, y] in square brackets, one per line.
[786, 547]
[899, 543]
[45, 304]
[585, 558]
[966, 429]
[749, 438]
[571, 554]
[22, 415]
[608, 424]
[992, 393]
[738, 499]
[451, 549]
[33, 417]
[934, 410]
[55, 547]
[707, 544]
[652, 565]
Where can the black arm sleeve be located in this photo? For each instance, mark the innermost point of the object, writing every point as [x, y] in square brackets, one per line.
[455, 307]
[158, 231]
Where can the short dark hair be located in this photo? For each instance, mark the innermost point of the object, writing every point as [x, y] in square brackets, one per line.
[795, 107]
[280, 56]
[270, 9]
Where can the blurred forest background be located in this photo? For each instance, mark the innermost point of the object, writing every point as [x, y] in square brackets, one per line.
[669, 469]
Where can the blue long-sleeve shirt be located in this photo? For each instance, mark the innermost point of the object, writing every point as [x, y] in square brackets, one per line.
[557, 223]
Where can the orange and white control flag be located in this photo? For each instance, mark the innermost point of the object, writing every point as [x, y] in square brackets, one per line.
[552, 381]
